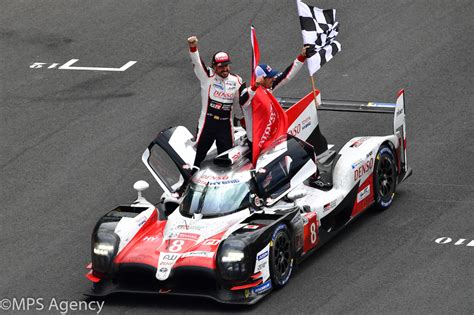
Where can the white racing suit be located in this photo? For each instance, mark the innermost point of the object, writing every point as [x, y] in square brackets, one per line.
[219, 98]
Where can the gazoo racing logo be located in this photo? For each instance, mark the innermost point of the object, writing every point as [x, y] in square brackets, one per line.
[363, 169]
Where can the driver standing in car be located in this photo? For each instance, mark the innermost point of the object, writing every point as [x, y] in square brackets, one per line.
[220, 90]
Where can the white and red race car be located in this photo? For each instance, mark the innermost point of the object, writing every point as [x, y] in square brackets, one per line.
[239, 229]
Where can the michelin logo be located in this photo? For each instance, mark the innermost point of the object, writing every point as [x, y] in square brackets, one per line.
[264, 287]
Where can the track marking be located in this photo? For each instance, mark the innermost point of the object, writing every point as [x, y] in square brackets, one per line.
[68, 66]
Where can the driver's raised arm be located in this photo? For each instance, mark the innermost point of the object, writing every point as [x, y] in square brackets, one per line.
[199, 66]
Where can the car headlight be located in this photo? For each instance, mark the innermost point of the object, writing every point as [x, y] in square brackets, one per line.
[233, 260]
[104, 249]
[232, 256]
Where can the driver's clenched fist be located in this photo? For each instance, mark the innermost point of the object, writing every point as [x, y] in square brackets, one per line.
[192, 41]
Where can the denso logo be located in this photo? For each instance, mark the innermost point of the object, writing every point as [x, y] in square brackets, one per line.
[227, 96]
[363, 169]
[215, 177]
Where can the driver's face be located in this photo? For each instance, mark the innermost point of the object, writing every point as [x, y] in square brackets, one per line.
[268, 82]
[222, 71]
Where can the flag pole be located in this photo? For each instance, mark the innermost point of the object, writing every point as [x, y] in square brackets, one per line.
[314, 92]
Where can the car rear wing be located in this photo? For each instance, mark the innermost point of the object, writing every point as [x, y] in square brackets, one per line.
[345, 106]
[396, 109]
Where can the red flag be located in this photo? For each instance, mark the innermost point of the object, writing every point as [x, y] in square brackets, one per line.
[269, 121]
[255, 54]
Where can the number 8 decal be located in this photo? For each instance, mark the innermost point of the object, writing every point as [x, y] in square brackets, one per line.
[176, 246]
[314, 236]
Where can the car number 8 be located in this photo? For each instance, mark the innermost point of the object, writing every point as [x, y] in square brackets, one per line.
[176, 246]
[312, 229]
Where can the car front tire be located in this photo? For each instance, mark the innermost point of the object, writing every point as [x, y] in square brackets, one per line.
[281, 256]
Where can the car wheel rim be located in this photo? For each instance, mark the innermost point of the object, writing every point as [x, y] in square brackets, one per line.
[282, 259]
[386, 177]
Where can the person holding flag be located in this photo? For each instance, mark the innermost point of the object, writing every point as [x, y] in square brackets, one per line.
[265, 120]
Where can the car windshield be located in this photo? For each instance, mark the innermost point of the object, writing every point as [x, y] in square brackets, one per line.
[215, 200]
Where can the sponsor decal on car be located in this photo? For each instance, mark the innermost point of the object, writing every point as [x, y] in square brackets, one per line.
[224, 182]
[236, 156]
[358, 143]
[188, 236]
[264, 287]
[357, 163]
[363, 169]
[170, 257]
[188, 227]
[140, 220]
[306, 123]
[363, 193]
[215, 179]
[329, 206]
[211, 242]
[261, 262]
[262, 255]
[261, 266]
[151, 238]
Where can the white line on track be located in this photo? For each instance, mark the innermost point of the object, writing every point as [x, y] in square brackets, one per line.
[67, 66]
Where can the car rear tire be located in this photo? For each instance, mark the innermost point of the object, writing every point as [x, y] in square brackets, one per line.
[385, 178]
[281, 256]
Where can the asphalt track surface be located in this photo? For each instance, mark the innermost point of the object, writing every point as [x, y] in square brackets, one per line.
[71, 141]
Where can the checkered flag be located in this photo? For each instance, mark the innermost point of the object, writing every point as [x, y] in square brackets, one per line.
[319, 29]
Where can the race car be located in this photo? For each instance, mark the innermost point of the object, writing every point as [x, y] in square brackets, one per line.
[239, 229]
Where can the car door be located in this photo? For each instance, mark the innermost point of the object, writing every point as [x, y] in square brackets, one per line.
[167, 154]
